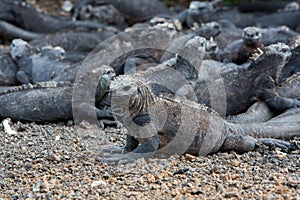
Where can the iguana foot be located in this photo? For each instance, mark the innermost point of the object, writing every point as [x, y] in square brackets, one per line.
[115, 154]
[22, 77]
[113, 150]
[88, 111]
[125, 158]
[118, 158]
[272, 143]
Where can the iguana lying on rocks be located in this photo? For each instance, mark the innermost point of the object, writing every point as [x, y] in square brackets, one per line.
[37, 65]
[41, 102]
[165, 125]
[28, 22]
[133, 10]
[237, 88]
[260, 111]
[241, 51]
[51, 101]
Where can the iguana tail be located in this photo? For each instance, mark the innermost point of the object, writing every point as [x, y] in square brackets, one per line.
[270, 129]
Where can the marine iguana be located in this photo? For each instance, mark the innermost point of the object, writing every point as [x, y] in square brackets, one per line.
[51, 101]
[22, 15]
[164, 125]
[260, 111]
[41, 102]
[37, 65]
[133, 10]
[245, 83]
[197, 13]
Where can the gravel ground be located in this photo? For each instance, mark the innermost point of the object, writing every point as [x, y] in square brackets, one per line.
[60, 161]
[56, 161]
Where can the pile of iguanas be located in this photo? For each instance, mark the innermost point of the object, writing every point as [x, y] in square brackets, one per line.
[158, 79]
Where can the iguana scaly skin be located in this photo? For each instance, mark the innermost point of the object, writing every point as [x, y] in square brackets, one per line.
[242, 85]
[133, 10]
[260, 111]
[45, 101]
[52, 101]
[166, 125]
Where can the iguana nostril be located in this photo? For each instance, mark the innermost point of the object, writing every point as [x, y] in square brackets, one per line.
[126, 88]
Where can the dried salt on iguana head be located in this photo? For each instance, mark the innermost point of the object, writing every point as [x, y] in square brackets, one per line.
[130, 96]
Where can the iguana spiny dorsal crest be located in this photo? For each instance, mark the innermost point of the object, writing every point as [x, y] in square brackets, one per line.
[38, 85]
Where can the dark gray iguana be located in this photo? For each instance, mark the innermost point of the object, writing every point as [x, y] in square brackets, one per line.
[37, 65]
[260, 111]
[49, 101]
[243, 85]
[166, 125]
[133, 10]
[41, 102]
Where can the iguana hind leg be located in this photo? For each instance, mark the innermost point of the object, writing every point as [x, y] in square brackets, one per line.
[238, 143]
[243, 144]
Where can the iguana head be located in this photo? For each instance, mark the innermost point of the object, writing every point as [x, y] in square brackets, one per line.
[273, 59]
[130, 96]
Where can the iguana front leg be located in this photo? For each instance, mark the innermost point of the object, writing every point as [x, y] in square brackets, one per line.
[277, 103]
[91, 113]
[131, 144]
[145, 150]
[282, 103]
[22, 77]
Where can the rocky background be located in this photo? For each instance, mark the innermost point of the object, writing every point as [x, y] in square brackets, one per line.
[52, 161]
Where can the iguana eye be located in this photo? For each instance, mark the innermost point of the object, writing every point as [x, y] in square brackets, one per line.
[126, 88]
[216, 26]
[285, 50]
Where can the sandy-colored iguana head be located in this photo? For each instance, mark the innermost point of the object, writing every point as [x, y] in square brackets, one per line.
[130, 96]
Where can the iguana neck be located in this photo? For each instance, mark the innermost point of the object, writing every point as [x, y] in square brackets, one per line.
[140, 102]
[270, 65]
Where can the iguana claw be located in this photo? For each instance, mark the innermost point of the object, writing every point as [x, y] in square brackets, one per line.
[272, 143]
[107, 122]
[112, 150]
[296, 103]
[122, 158]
